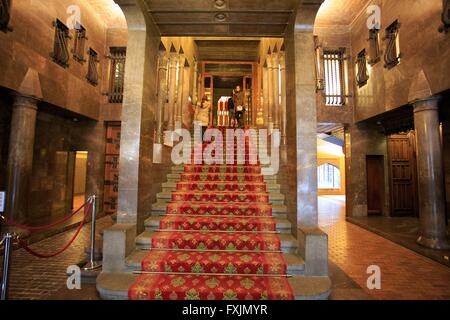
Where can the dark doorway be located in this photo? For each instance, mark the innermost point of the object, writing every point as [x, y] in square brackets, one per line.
[375, 184]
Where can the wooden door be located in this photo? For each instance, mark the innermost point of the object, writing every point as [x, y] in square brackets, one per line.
[375, 184]
[402, 164]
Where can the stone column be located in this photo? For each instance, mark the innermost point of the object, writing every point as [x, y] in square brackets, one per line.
[270, 89]
[195, 84]
[162, 89]
[276, 88]
[174, 59]
[180, 89]
[185, 112]
[433, 230]
[312, 242]
[282, 110]
[20, 156]
[265, 79]
[138, 173]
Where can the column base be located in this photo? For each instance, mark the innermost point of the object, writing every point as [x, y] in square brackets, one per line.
[436, 244]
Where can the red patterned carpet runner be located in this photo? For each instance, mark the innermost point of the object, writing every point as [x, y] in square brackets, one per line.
[217, 240]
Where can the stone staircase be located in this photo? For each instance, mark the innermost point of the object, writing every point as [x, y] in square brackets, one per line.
[115, 285]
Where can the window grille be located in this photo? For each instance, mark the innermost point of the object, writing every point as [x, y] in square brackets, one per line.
[60, 52]
[374, 46]
[117, 74]
[79, 46]
[5, 14]
[92, 75]
[392, 54]
[333, 61]
[362, 75]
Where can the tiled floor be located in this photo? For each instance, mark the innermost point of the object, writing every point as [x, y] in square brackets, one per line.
[36, 278]
[404, 273]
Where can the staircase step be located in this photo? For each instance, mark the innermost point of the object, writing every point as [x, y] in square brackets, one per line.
[172, 186]
[281, 225]
[274, 198]
[288, 244]
[295, 264]
[278, 210]
[115, 286]
[177, 177]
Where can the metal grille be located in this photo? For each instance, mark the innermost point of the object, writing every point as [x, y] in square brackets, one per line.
[92, 75]
[80, 41]
[374, 46]
[362, 75]
[5, 14]
[334, 77]
[60, 53]
[117, 74]
[392, 55]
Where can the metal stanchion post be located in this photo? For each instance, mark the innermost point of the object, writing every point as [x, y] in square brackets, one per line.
[92, 265]
[6, 256]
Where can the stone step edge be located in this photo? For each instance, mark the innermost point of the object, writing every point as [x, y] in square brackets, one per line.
[288, 242]
[276, 208]
[282, 225]
[115, 285]
[295, 264]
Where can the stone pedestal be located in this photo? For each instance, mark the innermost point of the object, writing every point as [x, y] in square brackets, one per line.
[430, 175]
[20, 156]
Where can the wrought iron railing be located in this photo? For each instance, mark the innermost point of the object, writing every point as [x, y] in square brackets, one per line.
[392, 55]
[362, 75]
[117, 74]
[79, 45]
[60, 52]
[92, 75]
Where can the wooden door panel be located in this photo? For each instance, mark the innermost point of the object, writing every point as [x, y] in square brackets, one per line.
[402, 167]
[375, 184]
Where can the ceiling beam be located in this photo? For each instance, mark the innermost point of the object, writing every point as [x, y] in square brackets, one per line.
[223, 23]
[223, 34]
[168, 11]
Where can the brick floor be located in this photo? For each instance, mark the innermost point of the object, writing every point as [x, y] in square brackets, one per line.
[34, 278]
[404, 273]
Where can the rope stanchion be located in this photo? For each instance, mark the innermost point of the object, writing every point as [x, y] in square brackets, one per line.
[46, 227]
[46, 256]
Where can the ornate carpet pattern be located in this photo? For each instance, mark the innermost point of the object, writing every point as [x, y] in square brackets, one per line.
[217, 240]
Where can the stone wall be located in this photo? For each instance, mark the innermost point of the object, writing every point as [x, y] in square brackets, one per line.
[335, 38]
[57, 138]
[422, 48]
[5, 120]
[30, 44]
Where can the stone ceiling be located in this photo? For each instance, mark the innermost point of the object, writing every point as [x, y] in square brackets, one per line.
[339, 12]
[228, 50]
[260, 18]
[110, 13]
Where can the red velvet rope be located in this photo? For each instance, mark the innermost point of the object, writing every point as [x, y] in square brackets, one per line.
[46, 256]
[47, 227]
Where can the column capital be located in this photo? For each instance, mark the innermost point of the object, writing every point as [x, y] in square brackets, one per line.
[25, 101]
[429, 103]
